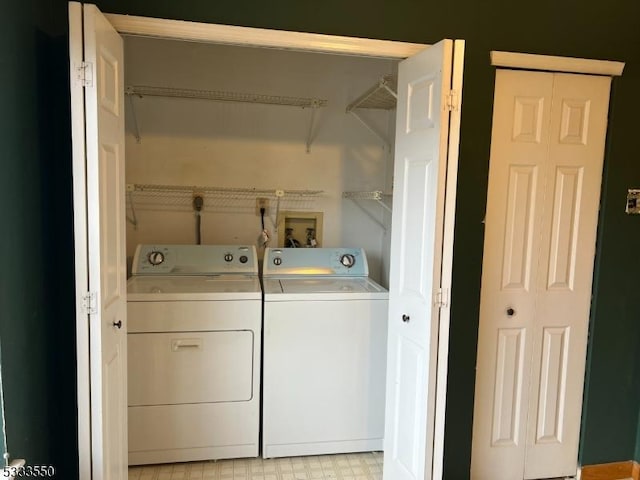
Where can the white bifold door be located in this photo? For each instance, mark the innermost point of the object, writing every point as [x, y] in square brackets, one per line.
[425, 170]
[97, 108]
[547, 149]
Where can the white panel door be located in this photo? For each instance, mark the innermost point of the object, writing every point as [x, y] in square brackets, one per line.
[544, 181]
[563, 301]
[422, 136]
[99, 190]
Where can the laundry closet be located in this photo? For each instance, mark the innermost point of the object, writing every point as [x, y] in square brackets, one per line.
[237, 126]
[248, 151]
[218, 151]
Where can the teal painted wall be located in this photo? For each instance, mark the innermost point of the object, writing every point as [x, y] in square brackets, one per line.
[36, 210]
[37, 324]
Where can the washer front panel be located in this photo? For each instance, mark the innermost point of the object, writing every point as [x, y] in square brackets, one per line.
[347, 262]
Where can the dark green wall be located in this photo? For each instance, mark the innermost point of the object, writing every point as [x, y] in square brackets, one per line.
[2, 439]
[37, 324]
[36, 210]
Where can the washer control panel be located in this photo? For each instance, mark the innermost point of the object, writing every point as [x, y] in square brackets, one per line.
[350, 262]
[194, 260]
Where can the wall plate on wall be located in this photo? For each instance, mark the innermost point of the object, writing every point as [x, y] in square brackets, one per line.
[633, 201]
[300, 229]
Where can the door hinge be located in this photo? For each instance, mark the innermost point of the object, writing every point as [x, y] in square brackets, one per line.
[90, 303]
[84, 74]
[452, 101]
[441, 298]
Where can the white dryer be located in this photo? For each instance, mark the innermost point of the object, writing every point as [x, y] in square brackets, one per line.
[194, 338]
[324, 364]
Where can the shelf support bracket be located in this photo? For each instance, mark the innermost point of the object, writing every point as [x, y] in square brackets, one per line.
[133, 220]
[314, 108]
[371, 129]
[369, 214]
[279, 195]
[136, 129]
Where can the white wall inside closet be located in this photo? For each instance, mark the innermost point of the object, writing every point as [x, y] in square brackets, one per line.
[243, 145]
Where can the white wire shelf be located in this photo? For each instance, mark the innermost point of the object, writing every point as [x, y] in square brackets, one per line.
[224, 191]
[373, 195]
[380, 96]
[142, 91]
[224, 96]
[383, 199]
[179, 198]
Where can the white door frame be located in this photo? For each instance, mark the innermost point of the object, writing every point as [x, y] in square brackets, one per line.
[239, 36]
[260, 37]
[528, 61]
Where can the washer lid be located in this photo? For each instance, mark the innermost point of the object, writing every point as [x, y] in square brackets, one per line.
[211, 287]
[329, 285]
[322, 288]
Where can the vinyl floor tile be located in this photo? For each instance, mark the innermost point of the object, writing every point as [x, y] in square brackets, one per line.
[353, 466]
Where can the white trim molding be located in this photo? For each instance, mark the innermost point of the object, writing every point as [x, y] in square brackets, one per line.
[260, 37]
[530, 61]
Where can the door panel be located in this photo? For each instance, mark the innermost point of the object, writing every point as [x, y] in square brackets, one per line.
[573, 176]
[422, 132]
[564, 227]
[522, 107]
[546, 153]
[410, 374]
[508, 390]
[553, 381]
[104, 125]
[518, 242]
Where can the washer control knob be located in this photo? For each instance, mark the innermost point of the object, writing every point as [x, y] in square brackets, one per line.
[155, 257]
[228, 257]
[243, 259]
[348, 260]
[277, 261]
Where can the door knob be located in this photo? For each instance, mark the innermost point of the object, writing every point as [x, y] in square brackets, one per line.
[118, 324]
[511, 312]
[406, 318]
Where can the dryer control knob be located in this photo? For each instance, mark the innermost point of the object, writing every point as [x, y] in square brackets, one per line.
[243, 259]
[348, 260]
[228, 257]
[155, 257]
[277, 261]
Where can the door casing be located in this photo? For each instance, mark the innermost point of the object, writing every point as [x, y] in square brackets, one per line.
[245, 36]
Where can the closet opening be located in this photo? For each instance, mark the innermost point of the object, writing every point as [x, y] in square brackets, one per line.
[263, 147]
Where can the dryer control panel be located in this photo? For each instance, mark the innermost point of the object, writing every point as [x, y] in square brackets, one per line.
[195, 260]
[340, 262]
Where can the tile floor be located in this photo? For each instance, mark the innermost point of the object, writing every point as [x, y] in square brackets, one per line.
[353, 466]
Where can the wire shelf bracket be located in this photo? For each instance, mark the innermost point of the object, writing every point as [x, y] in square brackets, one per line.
[382, 96]
[378, 196]
[141, 91]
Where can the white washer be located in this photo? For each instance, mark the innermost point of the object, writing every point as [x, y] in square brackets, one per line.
[325, 344]
[194, 338]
